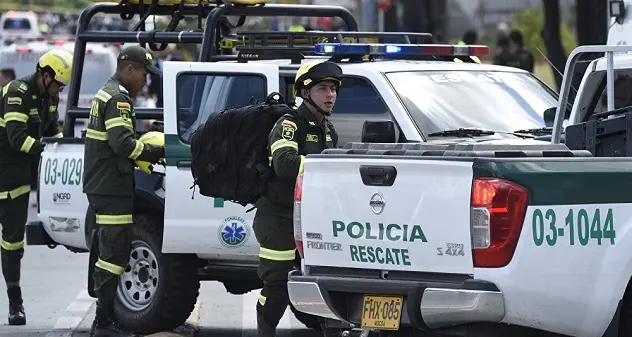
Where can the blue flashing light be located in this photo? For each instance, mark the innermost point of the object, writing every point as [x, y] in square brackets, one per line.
[386, 49]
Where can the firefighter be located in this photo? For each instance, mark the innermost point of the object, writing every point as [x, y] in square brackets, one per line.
[27, 113]
[108, 181]
[291, 139]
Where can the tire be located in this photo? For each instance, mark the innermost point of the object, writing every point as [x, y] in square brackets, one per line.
[310, 321]
[169, 282]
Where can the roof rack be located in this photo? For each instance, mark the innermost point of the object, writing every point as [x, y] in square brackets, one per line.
[271, 45]
[217, 27]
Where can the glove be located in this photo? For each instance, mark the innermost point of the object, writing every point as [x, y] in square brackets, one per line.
[154, 153]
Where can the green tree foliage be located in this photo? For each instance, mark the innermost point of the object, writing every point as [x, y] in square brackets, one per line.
[530, 23]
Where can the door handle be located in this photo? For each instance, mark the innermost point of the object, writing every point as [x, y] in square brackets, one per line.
[183, 164]
[373, 175]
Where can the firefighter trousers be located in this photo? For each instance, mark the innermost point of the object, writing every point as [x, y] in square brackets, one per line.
[113, 218]
[277, 257]
[14, 208]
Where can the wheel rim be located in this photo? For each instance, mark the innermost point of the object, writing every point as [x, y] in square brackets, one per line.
[138, 284]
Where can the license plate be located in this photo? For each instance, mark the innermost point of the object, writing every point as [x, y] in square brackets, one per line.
[382, 312]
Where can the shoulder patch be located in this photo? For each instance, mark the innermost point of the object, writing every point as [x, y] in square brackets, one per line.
[288, 132]
[123, 106]
[14, 100]
[23, 87]
[289, 123]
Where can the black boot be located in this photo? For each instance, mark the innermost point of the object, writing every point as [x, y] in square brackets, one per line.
[105, 326]
[16, 307]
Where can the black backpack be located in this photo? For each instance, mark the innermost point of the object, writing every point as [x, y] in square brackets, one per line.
[229, 152]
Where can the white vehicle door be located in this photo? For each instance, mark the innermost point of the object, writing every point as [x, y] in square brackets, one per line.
[212, 228]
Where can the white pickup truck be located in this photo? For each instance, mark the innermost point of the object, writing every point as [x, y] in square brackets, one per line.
[474, 239]
[182, 238]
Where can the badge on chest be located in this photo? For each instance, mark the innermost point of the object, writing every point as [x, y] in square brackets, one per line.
[311, 138]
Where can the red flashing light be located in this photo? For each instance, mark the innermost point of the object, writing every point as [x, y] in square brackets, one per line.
[454, 50]
[498, 211]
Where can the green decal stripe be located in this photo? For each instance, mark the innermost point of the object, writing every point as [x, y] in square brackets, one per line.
[175, 151]
[566, 181]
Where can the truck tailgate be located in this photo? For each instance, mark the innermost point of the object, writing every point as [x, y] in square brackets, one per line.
[387, 214]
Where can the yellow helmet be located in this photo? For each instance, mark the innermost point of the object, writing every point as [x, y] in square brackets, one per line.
[60, 62]
[153, 138]
[309, 75]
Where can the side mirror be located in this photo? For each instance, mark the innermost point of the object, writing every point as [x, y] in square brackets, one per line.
[378, 132]
[549, 116]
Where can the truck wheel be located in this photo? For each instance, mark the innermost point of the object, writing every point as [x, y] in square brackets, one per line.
[308, 320]
[156, 292]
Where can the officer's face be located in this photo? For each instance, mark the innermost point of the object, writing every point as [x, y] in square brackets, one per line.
[139, 78]
[53, 87]
[324, 95]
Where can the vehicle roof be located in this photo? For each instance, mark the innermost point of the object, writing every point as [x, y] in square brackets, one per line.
[621, 61]
[18, 14]
[45, 46]
[386, 66]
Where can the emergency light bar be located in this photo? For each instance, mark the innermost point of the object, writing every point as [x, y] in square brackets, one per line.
[384, 49]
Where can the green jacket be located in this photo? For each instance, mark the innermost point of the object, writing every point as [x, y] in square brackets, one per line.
[111, 145]
[25, 117]
[291, 139]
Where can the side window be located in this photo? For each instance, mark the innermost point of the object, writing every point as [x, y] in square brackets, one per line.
[357, 101]
[201, 95]
[622, 92]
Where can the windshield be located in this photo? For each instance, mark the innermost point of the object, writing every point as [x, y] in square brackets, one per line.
[17, 24]
[97, 68]
[497, 101]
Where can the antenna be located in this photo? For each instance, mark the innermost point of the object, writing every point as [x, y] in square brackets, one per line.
[568, 104]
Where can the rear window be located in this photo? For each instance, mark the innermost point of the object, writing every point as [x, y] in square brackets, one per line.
[17, 24]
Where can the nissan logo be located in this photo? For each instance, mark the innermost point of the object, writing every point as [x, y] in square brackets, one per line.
[377, 203]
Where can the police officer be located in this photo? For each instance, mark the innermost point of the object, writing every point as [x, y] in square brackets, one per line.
[522, 57]
[27, 113]
[111, 148]
[292, 138]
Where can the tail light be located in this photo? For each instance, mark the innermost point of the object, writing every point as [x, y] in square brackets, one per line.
[498, 209]
[298, 196]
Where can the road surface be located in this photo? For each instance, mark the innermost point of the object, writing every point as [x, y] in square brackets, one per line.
[58, 305]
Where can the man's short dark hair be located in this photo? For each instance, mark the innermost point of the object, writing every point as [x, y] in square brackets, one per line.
[503, 41]
[120, 64]
[8, 73]
[516, 36]
[470, 37]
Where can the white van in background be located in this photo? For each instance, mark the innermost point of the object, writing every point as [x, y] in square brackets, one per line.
[16, 24]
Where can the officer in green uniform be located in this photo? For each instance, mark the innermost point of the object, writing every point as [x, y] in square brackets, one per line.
[27, 113]
[292, 138]
[111, 148]
[522, 57]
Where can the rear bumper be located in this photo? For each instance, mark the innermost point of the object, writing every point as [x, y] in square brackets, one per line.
[36, 235]
[427, 305]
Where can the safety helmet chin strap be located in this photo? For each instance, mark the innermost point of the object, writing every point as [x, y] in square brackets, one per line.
[309, 99]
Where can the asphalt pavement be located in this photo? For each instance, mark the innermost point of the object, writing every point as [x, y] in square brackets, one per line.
[54, 286]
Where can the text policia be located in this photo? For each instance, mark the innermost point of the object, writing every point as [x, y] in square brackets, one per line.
[381, 232]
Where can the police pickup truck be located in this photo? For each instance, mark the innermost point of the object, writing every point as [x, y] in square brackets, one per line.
[181, 238]
[475, 239]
